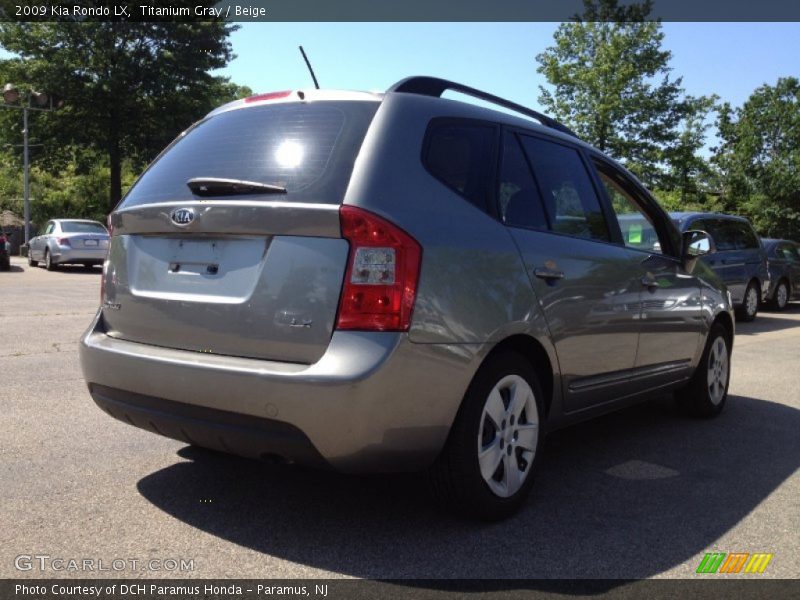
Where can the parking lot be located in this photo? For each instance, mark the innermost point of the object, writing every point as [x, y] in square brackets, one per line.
[644, 492]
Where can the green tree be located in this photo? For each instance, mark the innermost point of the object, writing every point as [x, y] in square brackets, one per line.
[759, 158]
[689, 172]
[129, 87]
[611, 84]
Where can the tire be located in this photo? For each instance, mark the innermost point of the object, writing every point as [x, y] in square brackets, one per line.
[5, 264]
[31, 262]
[780, 297]
[506, 385]
[706, 393]
[748, 310]
[48, 261]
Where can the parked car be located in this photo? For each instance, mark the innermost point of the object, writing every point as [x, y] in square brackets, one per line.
[784, 272]
[740, 259]
[397, 282]
[69, 241]
[5, 247]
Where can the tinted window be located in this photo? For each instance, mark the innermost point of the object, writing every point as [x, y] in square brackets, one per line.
[724, 233]
[520, 202]
[569, 197]
[82, 227]
[787, 252]
[698, 225]
[307, 148]
[636, 226]
[459, 154]
[746, 237]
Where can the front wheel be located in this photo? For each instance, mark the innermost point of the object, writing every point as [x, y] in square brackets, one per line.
[707, 391]
[31, 262]
[749, 308]
[486, 468]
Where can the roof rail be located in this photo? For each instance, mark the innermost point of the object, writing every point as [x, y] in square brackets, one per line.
[433, 86]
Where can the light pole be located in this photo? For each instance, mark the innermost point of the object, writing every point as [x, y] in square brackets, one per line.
[13, 98]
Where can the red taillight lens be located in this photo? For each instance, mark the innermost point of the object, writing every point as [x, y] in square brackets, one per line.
[268, 96]
[380, 284]
[63, 242]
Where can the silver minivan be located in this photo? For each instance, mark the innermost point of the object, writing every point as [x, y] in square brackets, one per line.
[397, 282]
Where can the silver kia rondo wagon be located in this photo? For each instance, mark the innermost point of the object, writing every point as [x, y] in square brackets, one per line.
[396, 282]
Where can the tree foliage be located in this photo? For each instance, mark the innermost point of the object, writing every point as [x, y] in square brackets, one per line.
[759, 158]
[611, 83]
[129, 87]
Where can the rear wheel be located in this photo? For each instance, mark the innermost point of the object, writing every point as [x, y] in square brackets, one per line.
[706, 393]
[749, 307]
[5, 263]
[486, 468]
[780, 297]
[48, 261]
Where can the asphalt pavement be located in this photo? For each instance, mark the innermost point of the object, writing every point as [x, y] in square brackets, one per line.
[644, 492]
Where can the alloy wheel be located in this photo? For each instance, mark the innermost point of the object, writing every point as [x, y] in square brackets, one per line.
[717, 371]
[751, 302]
[782, 296]
[508, 435]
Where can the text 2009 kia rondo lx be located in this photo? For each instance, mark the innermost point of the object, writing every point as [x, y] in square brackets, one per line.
[386, 282]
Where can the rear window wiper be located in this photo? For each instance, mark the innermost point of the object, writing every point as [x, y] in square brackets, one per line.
[214, 186]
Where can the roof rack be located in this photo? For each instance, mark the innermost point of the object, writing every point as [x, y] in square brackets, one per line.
[433, 86]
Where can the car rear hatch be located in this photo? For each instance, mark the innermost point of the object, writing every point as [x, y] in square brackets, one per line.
[88, 241]
[248, 258]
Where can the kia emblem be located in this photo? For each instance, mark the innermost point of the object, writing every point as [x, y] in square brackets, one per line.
[182, 216]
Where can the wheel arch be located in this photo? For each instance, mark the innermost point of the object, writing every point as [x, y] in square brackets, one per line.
[536, 354]
[725, 319]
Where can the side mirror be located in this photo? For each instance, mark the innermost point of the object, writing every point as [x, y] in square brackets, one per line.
[696, 243]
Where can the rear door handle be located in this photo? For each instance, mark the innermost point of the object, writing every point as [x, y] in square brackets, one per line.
[549, 274]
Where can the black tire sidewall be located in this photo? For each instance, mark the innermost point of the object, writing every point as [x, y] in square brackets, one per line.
[696, 397]
[742, 312]
[480, 500]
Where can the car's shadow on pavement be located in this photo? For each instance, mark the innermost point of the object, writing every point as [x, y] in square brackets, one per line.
[769, 321]
[628, 495]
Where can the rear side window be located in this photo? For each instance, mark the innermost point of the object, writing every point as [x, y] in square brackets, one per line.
[307, 148]
[459, 154]
[569, 197]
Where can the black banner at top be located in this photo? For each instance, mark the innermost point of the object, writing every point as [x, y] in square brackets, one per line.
[379, 10]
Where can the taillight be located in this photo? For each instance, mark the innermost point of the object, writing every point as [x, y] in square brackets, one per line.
[380, 284]
[63, 242]
[109, 226]
[268, 96]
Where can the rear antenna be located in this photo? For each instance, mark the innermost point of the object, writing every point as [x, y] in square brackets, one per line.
[308, 64]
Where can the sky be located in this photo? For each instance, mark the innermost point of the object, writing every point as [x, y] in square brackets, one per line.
[728, 59]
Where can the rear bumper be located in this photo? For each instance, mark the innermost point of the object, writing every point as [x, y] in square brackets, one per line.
[63, 255]
[375, 402]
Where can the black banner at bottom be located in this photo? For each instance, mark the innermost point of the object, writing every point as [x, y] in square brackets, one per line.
[411, 589]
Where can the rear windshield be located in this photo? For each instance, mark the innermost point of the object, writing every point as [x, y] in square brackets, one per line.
[82, 227]
[307, 148]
